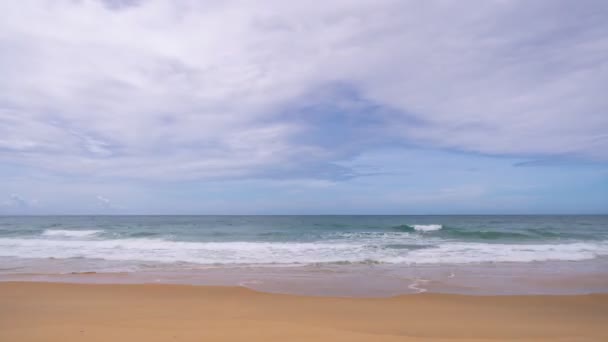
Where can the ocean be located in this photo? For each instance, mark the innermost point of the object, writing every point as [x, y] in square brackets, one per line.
[349, 255]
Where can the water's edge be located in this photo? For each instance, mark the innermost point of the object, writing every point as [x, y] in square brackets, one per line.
[316, 255]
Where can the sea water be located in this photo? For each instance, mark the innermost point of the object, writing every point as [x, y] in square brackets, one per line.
[315, 254]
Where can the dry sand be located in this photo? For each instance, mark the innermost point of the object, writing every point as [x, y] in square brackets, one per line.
[76, 312]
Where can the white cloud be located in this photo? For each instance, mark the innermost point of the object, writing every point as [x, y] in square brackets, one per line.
[108, 204]
[194, 90]
[104, 202]
[16, 201]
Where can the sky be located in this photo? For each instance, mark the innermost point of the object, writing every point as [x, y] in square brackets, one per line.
[303, 107]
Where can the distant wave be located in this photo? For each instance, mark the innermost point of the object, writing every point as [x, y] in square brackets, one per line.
[530, 234]
[427, 227]
[489, 234]
[142, 234]
[70, 233]
[419, 227]
[471, 252]
[486, 235]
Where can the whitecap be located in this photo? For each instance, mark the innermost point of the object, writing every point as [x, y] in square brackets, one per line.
[70, 233]
[292, 253]
[427, 227]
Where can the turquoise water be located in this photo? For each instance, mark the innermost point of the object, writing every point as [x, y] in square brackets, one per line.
[334, 255]
[225, 240]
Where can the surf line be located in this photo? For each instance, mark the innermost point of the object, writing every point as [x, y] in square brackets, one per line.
[247, 283]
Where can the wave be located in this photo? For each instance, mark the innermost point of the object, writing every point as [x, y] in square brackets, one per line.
[418, 227]
[488, 234]
[70, 233]
[142, 234]
[427, 227]
[407, 246]
[260, 253]
[464, 253]
[18, 232]
[485, 235]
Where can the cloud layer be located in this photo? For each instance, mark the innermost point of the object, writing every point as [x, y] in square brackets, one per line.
[240, 89]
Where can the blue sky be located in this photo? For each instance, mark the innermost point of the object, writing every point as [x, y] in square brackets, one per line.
[273, 107]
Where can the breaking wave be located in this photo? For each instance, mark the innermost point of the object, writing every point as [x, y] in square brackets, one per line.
[427, 227]
[70, 233]
[352, 251]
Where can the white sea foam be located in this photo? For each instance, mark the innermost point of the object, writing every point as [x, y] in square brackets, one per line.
[70, 233]
[463, 253]
[427, 227]
[226, 253]
[415, 285]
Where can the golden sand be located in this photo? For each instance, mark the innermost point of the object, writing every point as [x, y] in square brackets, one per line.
[76, 312]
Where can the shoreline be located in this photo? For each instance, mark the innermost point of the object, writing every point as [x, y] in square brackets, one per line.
[35, 311]
[538, 278]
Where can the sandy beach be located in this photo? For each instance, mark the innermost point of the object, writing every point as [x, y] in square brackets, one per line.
[79, 312]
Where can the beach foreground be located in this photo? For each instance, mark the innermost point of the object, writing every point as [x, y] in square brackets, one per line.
[79, 312]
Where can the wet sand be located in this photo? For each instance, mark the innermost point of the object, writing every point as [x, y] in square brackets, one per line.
[84, 312]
